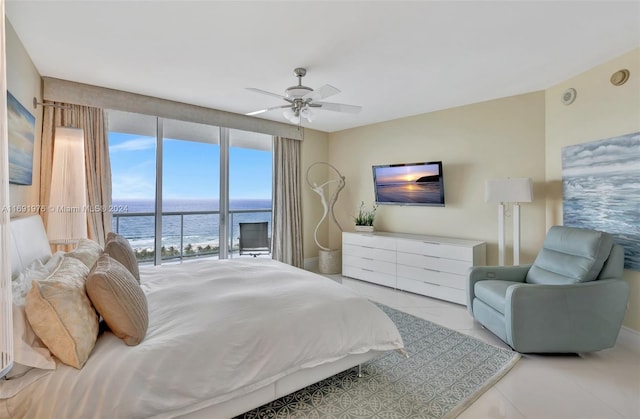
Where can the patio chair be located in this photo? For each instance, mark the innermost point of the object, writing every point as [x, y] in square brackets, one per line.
[254, 239]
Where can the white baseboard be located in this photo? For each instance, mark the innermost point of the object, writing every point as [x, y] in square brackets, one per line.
[629, 337]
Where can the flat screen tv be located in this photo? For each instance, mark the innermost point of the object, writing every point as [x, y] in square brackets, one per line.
[409, 184]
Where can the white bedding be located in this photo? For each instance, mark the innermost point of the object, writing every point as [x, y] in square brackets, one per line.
[217, 330]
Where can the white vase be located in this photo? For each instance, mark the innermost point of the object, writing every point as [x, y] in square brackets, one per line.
[364, 229]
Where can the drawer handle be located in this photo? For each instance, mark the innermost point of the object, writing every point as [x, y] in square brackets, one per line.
[368, 270]
[366, 258]
[431, 270]
[432, 257]
[431, 243]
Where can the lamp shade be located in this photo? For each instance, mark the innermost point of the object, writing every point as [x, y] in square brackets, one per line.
[509, 190]
[67, 220]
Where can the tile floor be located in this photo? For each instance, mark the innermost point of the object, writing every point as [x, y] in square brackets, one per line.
[602, 385]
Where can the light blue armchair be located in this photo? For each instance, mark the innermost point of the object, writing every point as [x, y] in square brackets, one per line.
[572, 299]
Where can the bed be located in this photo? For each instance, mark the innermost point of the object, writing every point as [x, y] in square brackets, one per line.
[223, 337]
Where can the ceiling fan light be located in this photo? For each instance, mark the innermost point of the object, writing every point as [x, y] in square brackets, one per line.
[291, 115]
[308, 114]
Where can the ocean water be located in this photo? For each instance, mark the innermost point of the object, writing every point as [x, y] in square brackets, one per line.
[609, 202]
[197, 229]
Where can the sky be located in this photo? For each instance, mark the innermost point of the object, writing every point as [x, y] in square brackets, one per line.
[190, 169]
[405, 173]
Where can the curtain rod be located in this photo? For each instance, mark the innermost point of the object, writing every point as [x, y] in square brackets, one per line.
[52, 105]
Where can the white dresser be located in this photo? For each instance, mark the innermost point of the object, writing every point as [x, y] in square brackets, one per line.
[427, 265]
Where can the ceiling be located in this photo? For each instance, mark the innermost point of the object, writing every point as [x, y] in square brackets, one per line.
[393, 58]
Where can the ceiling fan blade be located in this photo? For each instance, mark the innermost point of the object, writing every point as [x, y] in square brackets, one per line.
[264, 92]
[338, 107]
[267, 110]
[322, 92]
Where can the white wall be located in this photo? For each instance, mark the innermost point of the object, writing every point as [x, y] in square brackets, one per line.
[520, 136]
[24, 83]
[495, 139]
[601, 110]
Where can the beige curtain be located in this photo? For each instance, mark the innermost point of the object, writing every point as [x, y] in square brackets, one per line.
[97, 166]
[287, 206]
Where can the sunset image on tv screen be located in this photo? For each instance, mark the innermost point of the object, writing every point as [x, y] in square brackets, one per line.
[409, 184]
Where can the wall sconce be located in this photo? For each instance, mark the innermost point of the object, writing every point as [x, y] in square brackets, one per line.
[503, 191]
[67, 221]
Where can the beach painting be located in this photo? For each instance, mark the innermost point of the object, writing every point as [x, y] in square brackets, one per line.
[21, 127]
[601, 190]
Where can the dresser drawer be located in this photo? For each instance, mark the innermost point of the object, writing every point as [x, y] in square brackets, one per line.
[369, 264]
[433, 277]
[460, 267]
[369, 253]
[388, 280]
[431, 290]
[442, 250]
[428, 265]
[369, 240]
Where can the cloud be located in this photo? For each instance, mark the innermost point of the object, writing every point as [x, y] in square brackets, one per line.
[129, 187]
[142, 143]
[137, 181]
[604, 156]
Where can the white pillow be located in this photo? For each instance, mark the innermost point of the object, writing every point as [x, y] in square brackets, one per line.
[28, 349]
[21, 284]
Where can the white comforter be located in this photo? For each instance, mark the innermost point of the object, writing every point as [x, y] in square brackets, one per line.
[217, 330]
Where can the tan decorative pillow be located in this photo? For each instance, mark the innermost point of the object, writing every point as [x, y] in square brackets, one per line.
[118, 247]
[61, 314]
[117, 296]
[87, 251]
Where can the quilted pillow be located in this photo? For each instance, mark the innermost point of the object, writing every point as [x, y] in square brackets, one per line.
[120, 301]
[118, 247]
[61, 314]
[87, 251]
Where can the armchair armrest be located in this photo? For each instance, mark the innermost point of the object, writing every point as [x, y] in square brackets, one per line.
[562, 318]
[516, 273]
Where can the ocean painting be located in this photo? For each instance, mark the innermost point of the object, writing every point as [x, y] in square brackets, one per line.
[21, 127]
[601, 190]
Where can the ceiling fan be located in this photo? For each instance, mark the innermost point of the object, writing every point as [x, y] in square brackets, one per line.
[302, 99]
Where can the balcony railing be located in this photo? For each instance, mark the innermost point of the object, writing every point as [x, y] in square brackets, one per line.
[177, 236]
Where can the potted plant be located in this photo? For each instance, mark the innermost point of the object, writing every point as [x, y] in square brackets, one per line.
[365, 218]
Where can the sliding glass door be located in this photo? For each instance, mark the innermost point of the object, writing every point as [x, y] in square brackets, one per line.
[190, 190]
[250, 181]
[203, 179]
[132, 151]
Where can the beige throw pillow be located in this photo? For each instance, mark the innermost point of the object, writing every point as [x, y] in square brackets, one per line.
[117, 296]
[61, 314]
[118, 247]
[87, 251]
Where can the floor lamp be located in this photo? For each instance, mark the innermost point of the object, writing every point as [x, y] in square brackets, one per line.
[67, 220]
[502, 191]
